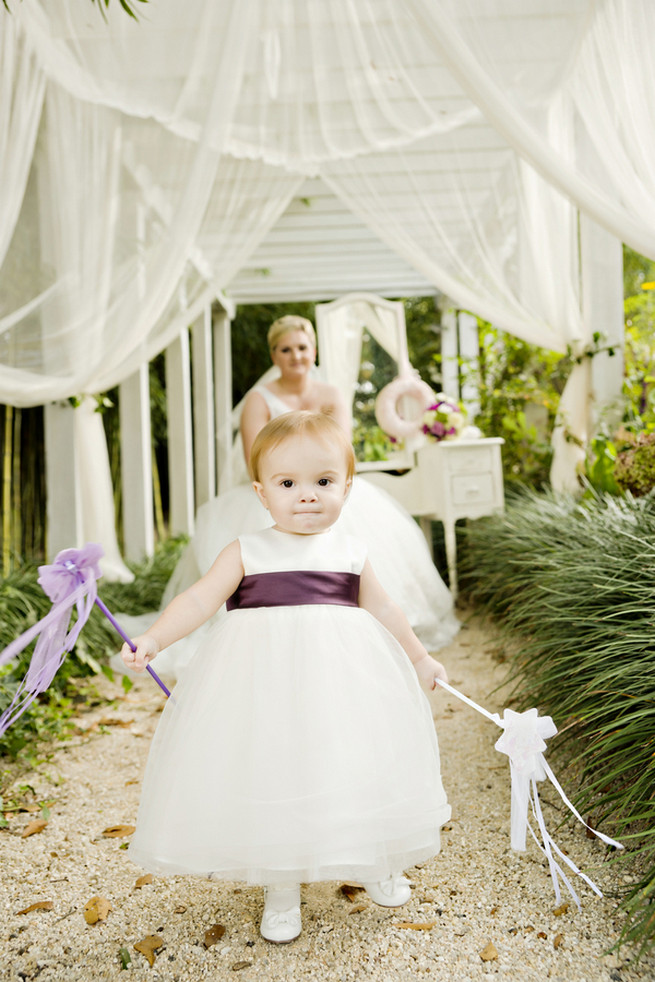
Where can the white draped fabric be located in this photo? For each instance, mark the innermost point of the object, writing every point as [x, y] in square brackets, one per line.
[22, 85]
[467, 134]
[606, 41]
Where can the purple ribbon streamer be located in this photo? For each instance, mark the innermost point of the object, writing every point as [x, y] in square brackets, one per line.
[70, 582]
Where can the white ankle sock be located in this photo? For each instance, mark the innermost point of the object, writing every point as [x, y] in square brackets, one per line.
[283, 896]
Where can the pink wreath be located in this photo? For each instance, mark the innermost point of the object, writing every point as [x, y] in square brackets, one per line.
[386, 406]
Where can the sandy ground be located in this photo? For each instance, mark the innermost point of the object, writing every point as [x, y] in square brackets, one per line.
[477, 910]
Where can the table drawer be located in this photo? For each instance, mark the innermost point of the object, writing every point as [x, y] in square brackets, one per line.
[470, 460]
[472, 489]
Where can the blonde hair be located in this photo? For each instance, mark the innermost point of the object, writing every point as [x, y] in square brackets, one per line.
[290, 322]
[320, 426]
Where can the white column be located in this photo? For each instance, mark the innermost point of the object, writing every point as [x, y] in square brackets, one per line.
[63, 498]
[469, 352]
[223, 399]
[136, 465]
[449, 353]
[203, 408]
[180, 436]
[601, 259]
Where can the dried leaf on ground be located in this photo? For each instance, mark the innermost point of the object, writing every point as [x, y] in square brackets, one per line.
[557, 940]
[350, 891]
[36, 825]
[214, 934]
[489, 953]
[143, 881]
[118, 831]
[239, 965]
[96, 909]
[417, 925]
[358, 908]
[39, 905]
[562, 909]
[149, 946]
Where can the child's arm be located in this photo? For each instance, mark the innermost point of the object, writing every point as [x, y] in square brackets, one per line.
[189, 609]
[374, 599]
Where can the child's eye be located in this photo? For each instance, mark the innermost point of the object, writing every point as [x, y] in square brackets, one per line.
[288, 483]
[323, 482]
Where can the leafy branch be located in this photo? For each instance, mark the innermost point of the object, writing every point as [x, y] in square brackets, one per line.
[596, 347]
[127, 5]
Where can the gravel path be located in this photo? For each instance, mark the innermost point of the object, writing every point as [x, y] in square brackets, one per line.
[477, 910]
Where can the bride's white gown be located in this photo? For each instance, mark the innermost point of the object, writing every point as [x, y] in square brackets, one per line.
[396, 547]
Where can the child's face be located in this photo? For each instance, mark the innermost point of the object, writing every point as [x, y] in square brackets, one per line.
[303, 484]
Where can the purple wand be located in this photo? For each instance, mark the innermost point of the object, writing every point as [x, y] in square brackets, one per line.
[112, 620]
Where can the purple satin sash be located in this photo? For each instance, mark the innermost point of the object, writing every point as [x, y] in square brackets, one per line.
[294, 588]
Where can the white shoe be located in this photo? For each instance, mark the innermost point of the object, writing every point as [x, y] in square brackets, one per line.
[394, 891]
[281, 921]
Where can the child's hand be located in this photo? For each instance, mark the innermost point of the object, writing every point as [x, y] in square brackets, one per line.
[146, 649]
[428, 669]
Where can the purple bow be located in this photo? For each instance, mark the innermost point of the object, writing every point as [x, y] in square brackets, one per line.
[70, 583]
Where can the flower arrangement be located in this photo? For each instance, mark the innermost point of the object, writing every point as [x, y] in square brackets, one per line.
[444, 419]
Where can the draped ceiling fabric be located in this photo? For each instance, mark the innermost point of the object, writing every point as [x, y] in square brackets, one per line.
[304, 148]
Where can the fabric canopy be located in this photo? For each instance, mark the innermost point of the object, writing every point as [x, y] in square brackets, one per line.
[147, 165]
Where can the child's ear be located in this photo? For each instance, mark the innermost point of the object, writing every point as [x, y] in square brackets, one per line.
[349, 484]
[259, 490]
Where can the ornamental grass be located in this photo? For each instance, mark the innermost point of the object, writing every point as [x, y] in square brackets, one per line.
[572, 582]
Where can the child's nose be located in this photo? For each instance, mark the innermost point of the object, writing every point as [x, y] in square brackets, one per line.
[308, 493]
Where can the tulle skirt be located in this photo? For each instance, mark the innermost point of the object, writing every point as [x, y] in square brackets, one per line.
[298, 746]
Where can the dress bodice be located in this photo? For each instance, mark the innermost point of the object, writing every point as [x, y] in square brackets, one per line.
[282, 569]
[271, 550]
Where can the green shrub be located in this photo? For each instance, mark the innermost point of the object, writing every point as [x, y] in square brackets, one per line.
[634, 468]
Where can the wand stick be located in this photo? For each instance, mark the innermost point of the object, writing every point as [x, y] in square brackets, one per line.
[112, 620]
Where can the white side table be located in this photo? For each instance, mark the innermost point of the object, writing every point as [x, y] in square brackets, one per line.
[452, 479]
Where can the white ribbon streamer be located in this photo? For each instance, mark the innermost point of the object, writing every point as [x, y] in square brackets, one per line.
[524, 741]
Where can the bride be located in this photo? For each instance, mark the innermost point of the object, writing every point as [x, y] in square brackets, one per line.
[396, 546]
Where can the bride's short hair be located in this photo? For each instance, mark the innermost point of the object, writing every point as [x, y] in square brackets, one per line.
[290, 322]
[301, 422]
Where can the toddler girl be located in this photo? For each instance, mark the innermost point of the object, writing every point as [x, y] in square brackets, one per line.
[298, 746]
